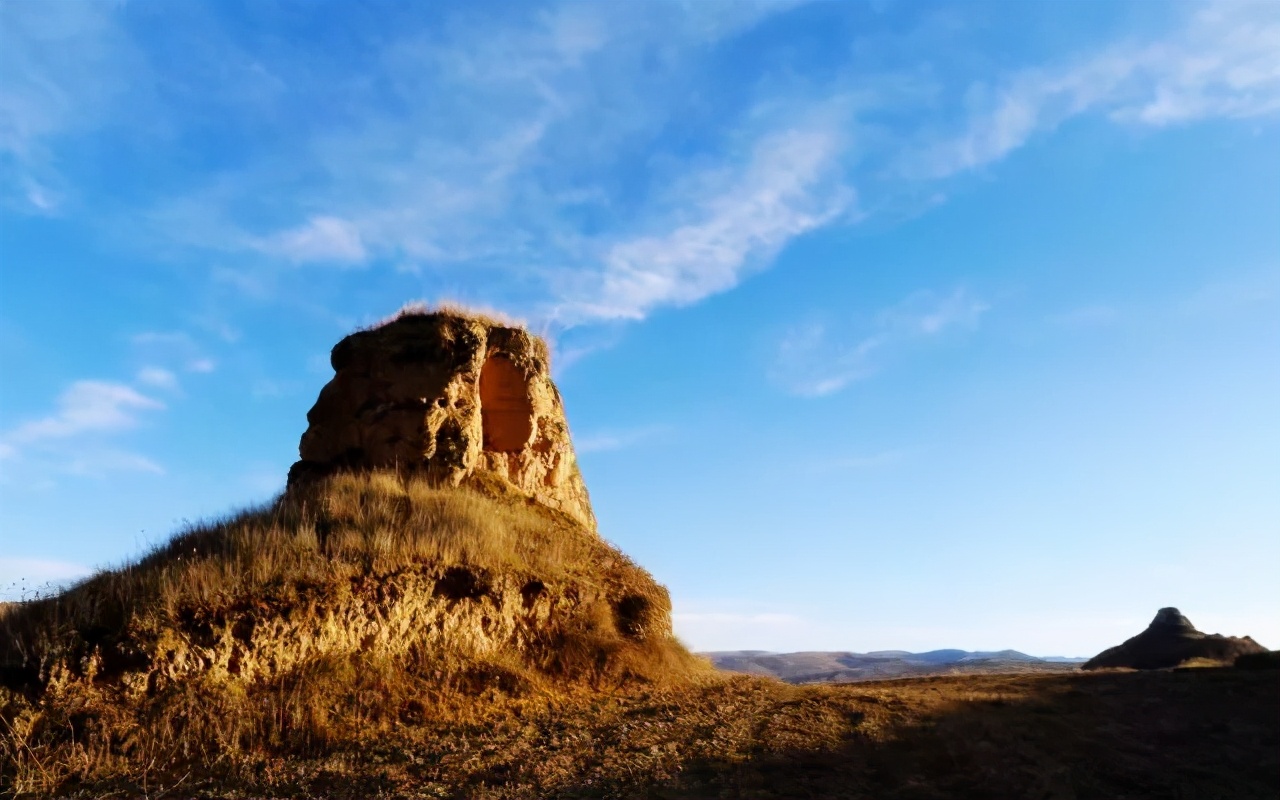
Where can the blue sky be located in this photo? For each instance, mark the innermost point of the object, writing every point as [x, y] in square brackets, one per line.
[880, 325]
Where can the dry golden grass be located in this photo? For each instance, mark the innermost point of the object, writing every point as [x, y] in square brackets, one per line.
[1196, 734]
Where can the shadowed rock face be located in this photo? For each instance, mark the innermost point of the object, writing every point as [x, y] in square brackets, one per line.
[452, 396]
[1171, 640]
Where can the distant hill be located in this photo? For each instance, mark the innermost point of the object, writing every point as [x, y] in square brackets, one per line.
[844, 667]
[1171, 640]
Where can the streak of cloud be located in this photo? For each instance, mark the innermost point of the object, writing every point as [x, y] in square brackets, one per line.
[817, 358]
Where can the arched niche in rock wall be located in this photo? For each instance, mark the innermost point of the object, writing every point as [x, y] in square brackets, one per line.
[506, 411]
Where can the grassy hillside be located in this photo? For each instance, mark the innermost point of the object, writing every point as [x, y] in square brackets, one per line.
[335, 615]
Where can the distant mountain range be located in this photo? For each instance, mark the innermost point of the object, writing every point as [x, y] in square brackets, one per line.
[823, 667]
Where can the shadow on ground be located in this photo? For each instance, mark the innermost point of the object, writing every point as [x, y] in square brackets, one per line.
[1208, 733]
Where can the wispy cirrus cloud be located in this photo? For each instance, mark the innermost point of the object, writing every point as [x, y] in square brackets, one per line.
[607, 441]
[105, 462]
[1221, 64]
[788, 186]
[76, 438]
[819, 358]
[577, 163]
[319, 240]
[494, 154]
[158, 377]
[63, 74]
[177, 349]
[474, 153]
[87, 407]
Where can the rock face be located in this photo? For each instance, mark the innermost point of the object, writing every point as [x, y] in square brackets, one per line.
[456, 397]
[1171, 640]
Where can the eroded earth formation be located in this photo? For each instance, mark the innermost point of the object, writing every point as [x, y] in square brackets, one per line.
[457, 397]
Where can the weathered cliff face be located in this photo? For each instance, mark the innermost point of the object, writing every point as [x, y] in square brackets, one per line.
[451, 396]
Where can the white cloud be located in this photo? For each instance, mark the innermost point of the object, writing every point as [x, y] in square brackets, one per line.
[321, 239]
[1221, 64]
[105, 463]
[42, 199]
[70, 441]
[1224, 65]
[175, 348]
[87, 407]
[813, 359]
[606, 441]
[787, 187]
[714, 20]
[158, 377]
[570, 347]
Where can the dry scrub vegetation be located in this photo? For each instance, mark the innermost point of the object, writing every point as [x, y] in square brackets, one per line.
[378, 637]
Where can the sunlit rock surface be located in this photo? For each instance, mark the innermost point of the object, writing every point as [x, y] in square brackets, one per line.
[451, 395]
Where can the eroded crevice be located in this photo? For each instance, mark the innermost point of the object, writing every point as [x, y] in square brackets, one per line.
[633, 615]
[506, 409]
[531, 592]
[460, 583]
